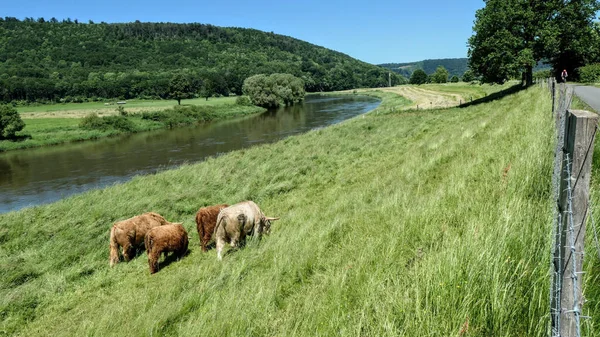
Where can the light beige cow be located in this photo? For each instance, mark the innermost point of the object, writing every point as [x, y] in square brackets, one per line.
[235, 222]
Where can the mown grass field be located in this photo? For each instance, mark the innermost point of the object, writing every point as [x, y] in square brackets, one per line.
[79, 109]
[428, 223]
[434, 96]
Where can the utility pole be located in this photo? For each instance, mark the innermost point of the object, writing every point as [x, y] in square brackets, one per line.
[390, 79]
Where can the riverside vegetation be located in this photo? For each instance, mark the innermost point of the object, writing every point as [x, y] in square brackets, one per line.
[395, 223]
[52, 131]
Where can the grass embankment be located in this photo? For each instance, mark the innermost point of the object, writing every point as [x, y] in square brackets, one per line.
[421, 223]
[51, 131]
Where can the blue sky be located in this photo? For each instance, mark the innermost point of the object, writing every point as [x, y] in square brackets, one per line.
[371, 31]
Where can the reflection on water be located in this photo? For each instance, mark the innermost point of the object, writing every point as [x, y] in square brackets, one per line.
[32, 177]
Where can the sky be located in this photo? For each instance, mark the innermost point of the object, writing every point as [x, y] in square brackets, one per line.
[372, 31]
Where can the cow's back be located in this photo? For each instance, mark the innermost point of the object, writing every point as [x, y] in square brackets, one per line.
[206, 217]
[170, 235]
[229, 218]
[137, 226]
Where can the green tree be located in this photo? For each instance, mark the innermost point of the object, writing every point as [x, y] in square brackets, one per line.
[181, 87]
[418, 77]
[440, 75]
[10, 122]
[577, 42]
[454, 79]
[511, 36]
[274, 90]
[468, 76]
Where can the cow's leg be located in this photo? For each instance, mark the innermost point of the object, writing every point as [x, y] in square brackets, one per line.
[220, 245]
[205, 241]
[127, 251]
[153, 258]
[235, 240]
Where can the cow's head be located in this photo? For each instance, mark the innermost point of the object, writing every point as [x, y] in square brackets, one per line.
[265, 224]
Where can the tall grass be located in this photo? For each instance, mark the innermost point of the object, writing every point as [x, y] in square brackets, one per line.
[430, 223]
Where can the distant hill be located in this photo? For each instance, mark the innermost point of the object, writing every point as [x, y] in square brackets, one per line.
[454, 66]
[72, 61]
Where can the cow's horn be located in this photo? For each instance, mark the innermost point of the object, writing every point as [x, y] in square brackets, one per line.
[271, 219]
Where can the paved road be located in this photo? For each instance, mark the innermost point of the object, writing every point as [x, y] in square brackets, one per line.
[590, 95]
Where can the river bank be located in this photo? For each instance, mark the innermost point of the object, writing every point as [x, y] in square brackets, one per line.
[391, 224]
[26, 178]
[65, 125]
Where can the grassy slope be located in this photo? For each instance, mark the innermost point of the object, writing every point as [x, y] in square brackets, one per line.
[400, 224]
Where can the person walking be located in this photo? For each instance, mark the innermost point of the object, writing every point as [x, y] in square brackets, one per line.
[564, 75]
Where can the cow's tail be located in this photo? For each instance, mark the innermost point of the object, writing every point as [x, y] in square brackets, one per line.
[114, 247]
[148, 243]
[220, 221]
[199, 227]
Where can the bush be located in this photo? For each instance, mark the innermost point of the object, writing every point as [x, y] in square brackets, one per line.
[440, 75]
[243, 100]
[181, 115]
[542, 74]
[418, 77]
[274, 90]
[121, 111]
[454, 79]
[468, 76]
[589, 73]
[93, 122]
[10, 122]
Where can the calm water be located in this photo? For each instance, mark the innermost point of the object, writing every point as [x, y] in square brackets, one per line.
[38, 176]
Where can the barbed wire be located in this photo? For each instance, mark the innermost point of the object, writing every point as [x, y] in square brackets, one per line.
[574, 272]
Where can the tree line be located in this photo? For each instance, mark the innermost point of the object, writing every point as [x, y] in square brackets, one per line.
[512, 36]
[51, 60]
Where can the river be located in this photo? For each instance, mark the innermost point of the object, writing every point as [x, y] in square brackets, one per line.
[43, 175]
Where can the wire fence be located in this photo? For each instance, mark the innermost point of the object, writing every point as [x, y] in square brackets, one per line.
[566, 297]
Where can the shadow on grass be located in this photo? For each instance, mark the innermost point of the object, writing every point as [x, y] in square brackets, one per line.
[18, 138]
[172, 257]
[495, 96]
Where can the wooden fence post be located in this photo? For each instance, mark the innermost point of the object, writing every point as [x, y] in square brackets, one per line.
[580, 131]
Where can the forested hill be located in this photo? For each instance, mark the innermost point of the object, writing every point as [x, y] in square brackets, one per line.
[454, 66]
[71, 61]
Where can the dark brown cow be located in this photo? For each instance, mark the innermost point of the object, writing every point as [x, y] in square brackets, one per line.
[164, 239]
[206, 219]
[130, 234]
[235, 222]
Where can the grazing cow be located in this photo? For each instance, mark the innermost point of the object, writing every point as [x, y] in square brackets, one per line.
[164, 239]
[206, 219]
[237, 221]
[130, 234]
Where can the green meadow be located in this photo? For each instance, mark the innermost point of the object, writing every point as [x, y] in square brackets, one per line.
[45, 131]
[131, 104]
[395, 223]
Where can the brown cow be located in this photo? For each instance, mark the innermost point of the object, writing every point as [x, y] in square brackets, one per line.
[164, 239]
[130, 234]
[237, 221]
[206, 219]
